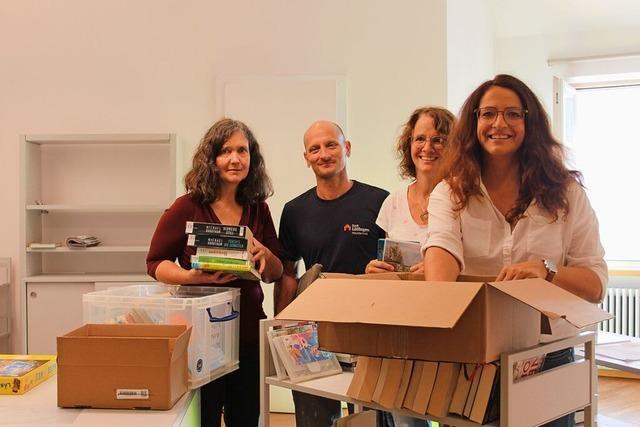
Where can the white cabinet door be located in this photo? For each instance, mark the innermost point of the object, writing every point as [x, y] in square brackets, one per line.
[53, 309]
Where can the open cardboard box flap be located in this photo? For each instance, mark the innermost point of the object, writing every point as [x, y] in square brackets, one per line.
[383, 302]
[553, 301]
[391, 299]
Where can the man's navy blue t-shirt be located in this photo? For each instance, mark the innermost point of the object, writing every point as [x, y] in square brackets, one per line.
[341, 234]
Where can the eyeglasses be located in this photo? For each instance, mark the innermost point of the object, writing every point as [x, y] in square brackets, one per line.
[437, 142]
[510, 115]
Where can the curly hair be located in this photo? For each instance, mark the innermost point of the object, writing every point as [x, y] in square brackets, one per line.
[203, 181]
[544, 178]
[443, 121]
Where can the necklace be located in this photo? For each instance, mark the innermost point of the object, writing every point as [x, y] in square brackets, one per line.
[418, 204]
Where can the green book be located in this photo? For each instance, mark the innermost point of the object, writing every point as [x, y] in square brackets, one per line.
[244, 271]
[218, 260]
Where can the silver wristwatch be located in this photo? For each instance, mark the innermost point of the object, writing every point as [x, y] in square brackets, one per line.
[552, 269]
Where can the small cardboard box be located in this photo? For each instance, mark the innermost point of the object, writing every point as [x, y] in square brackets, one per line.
[21, 373]
[385, 315]
[123, 366]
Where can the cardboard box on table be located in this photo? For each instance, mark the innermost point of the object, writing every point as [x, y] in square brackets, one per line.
[395, 315]
[123, 366]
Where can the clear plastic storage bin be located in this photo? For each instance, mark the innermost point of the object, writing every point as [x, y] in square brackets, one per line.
[212, 312]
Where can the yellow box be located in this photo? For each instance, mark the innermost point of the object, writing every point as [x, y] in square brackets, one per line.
[21, 373]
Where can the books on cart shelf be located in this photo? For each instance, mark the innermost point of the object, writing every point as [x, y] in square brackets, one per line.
[297, 351]
[425, 387]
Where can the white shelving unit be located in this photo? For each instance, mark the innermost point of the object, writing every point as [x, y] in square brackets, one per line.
[556, 392]
[112, 186]
[5, 304]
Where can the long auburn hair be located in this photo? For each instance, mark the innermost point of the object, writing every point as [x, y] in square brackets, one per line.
[203, 181]
[443, 121]
[544, 178]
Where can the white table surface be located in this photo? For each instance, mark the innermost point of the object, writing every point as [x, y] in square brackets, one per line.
[38, 408]
[608, 337]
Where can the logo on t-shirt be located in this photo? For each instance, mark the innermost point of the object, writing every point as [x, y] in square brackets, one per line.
[355, 229]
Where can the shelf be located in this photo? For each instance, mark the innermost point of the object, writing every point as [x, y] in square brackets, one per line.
[89, 277]
[99, 208]
[101, 248]
[113, 186]
[564, 389]
[335, 387]
[130, 139]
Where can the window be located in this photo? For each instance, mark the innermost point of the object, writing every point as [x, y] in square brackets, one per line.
[600, 130]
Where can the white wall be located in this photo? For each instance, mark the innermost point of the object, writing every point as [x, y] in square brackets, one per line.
[469, 49]
[526, 57]
[88, 66]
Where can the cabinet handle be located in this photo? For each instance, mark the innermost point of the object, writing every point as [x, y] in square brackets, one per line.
[33, 294]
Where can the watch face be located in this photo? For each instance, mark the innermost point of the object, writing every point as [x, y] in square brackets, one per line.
[550, 266]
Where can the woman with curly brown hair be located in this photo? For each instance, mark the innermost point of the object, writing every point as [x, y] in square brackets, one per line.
[509, 207]
[403, 215]
[227, 184]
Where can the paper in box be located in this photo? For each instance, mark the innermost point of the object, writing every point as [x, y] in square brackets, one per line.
[473, 322]
[123, 366]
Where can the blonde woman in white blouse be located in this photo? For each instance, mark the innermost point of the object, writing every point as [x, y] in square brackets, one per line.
[403, 215]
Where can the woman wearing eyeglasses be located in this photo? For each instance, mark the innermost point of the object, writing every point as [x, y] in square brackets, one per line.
[403, 215]
[509, 207]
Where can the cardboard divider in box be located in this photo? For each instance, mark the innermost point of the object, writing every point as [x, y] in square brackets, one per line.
[212, 312]
[123, 366]
[387, 315]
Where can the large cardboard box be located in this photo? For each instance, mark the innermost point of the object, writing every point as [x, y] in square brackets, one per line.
[386, 315]
[123, 366]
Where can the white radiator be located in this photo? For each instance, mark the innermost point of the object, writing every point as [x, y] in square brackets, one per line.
[624, 304]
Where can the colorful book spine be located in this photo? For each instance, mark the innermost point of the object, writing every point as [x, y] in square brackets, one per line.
[223, 253]
[217, 266]
[218, 260]
[241, 271]
[194, 227]
[223, 242]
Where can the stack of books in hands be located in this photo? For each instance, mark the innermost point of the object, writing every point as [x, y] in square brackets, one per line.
[220, 247]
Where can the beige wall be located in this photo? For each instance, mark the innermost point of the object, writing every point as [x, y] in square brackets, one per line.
[469, 49]
[78, 66]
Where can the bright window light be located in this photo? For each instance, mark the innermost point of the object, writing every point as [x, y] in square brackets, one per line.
[605, 147]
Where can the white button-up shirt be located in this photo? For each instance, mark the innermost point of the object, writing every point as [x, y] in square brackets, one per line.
[482, 241]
